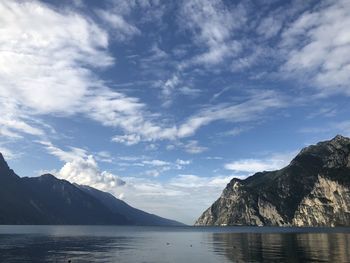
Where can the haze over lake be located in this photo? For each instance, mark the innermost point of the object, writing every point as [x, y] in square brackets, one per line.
[172, 244]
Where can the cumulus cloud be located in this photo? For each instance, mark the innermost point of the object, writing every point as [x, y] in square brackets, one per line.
[81, 167]
[193, 192]
[85, 171]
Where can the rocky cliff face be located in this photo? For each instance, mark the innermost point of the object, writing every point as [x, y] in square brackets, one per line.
[313, 190]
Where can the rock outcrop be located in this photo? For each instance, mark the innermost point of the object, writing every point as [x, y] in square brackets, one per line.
[313, 190]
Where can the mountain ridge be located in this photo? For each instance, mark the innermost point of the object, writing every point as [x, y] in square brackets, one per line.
[49, 200]
[296, 195]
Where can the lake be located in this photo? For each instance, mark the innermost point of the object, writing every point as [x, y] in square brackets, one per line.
[173, 244]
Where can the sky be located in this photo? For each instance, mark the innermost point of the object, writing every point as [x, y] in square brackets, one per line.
[162, 103]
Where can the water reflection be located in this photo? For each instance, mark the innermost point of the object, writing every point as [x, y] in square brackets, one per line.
[33, 248]
[286, 247]
[170, 245]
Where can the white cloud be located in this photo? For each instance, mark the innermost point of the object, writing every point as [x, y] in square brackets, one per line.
[317, 45]
[151, 10]
[194, 193]
[156, 163]
[236, 131]
[270, 163]
[51, 71]
[212, 25]
[194, 181]
[244, 62]
[8, 154]
[48, 59]
[128, 139]
[44, 61]
[183, 162]
[86, 172]
[104, 156]
[189, 91]
[254, 165]
[121, 29]
[65, 156]
[193, 147]
[160, 166]
[21, 126]
[269, 26]
[14, 122]
[168, 89]
[172, 87]
[81, 168]
[51, 50]
[253, 107]
[241, 112]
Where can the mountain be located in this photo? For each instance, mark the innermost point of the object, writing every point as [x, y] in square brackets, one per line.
[136, 216]
[313, 190]
[46, 200]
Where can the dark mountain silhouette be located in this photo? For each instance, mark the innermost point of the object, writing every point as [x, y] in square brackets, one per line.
[48, 200]
[138, 217]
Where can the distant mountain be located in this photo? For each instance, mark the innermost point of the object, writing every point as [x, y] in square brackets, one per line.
[136, 216]
[48, 200]
[313, 190]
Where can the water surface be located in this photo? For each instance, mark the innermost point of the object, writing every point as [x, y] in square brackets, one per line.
[173, 244]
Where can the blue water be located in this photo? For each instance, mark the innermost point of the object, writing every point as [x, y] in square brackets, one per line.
[173, 244]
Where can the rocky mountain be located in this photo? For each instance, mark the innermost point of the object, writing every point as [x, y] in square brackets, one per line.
[48, 200]
[313, 190]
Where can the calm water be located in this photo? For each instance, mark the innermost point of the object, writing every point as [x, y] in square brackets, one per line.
[162, 244]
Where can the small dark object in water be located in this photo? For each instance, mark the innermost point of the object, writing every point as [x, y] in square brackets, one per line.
[167, 243]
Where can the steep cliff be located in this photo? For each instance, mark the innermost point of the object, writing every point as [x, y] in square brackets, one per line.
[313, 190]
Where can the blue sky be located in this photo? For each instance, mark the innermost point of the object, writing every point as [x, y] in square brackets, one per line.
[163, 102]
